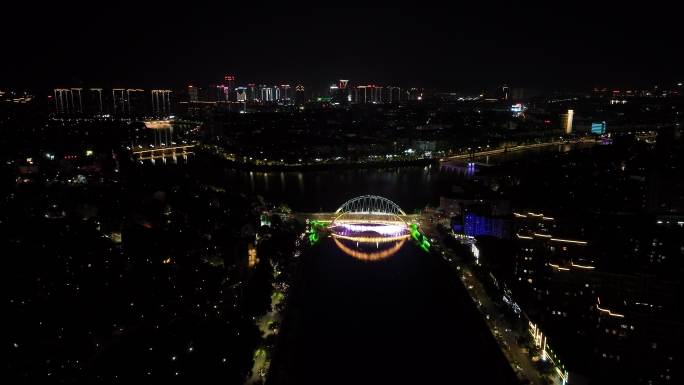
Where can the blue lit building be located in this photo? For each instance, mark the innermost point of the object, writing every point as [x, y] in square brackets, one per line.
[598, 128]
[475, 225]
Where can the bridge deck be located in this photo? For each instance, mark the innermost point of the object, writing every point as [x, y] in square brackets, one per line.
[329, 216]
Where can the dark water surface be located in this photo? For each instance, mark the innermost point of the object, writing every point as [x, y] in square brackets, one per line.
[411, 187]
[405, 319]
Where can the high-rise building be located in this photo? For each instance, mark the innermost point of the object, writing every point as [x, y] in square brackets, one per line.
[193, 93]
[229, 82]
[566, 122]
[393, 94]
[377, 94]
[128, 102]
[359, 94]
[223, 93]
[414, 94]
[284, 93]
[241, 94]
[94, 104]
[161, 103]
[598, 128]
[266, 93]
[62, 100]
[137, 103]
[335, 93]
[252, 92]
[119, 101]
[68, 100]
[300, 97]
[368, 94]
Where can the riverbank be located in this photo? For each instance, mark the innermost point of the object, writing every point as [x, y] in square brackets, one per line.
[373, 162]
[313, 166]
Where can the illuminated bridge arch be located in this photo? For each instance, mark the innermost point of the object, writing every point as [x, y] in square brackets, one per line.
[370, 204]
[369, 228]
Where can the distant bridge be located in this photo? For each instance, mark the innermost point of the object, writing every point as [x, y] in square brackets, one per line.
[172, 152]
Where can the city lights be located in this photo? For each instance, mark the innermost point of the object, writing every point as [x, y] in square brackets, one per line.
[300, 194]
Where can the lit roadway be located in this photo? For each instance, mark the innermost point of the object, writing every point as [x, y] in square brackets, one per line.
[323, 217]
[497, 151]
[500, 328]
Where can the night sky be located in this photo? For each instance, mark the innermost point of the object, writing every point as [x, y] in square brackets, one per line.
[558, 45]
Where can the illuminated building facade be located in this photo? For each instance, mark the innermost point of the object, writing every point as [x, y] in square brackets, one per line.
[367, 94]
[566, 121]
[120, 102]
[94, 102]
[161, 103]
[504, 92]
[241, 94]
[252, 92]
[223, 93]
[339, 94]
[414, 94]
[68, 100]
[476, 225]
[393, 94]
[252, 258]
[266, 93]
[229, 84]
[598, 128]
[282, 93]
[300, 96]
[601, 311]
[193, 93]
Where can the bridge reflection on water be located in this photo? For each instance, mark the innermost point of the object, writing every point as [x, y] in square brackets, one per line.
[369, 228]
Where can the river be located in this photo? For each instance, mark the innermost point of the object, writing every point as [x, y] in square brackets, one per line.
[404, 319]
[411, 187]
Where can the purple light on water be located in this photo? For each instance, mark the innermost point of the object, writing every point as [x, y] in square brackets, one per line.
[392, 230]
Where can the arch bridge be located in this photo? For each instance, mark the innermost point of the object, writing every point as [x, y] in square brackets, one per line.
[370, 204]
[367, 227]
[370, 209]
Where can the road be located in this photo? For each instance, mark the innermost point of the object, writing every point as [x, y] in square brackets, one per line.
[514, 148]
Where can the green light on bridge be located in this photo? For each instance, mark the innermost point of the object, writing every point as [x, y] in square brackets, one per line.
[314, 237]
[315, 227]
[419, 237]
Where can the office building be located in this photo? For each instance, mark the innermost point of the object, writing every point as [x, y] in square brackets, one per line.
[229, 83]
[193, 94]
[241, 94]
[161, 103]
[598, 128]
[68, 100]
[566, 122]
